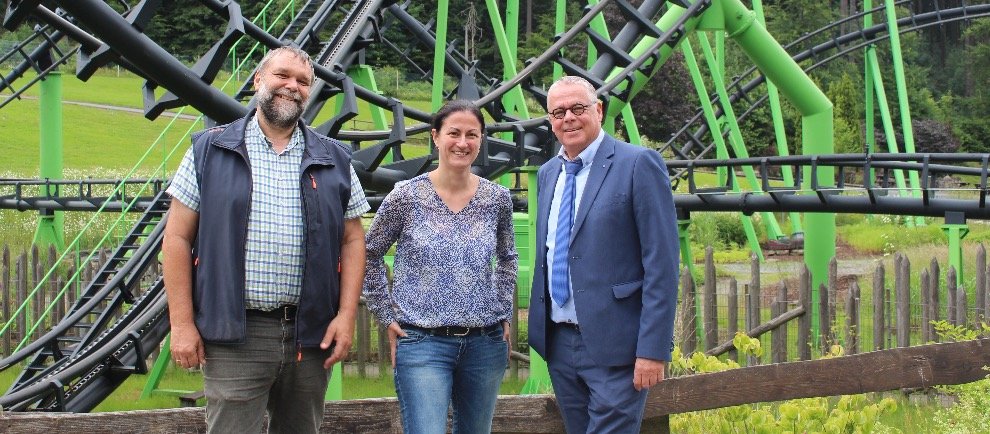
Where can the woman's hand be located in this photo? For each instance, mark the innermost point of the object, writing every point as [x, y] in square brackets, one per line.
[394, 331]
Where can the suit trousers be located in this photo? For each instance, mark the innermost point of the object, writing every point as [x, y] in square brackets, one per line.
[592, 398]
[243, 381]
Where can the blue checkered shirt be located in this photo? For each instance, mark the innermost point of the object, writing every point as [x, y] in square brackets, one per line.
[274, 250]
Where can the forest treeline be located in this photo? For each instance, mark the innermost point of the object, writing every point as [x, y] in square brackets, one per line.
[945, 65]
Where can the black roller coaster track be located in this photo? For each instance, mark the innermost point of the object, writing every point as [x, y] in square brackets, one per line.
[101, 341]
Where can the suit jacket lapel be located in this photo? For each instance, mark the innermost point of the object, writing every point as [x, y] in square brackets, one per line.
[603, 160]
[545, 197]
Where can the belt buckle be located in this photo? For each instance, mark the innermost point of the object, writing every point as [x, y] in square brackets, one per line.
[467, 331]
[286, 315]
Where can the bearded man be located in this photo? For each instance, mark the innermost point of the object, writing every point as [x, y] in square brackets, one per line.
[264, 258]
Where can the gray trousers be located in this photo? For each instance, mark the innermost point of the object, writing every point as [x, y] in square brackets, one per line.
[242, 382]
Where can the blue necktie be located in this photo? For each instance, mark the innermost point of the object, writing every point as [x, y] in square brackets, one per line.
[562, 241]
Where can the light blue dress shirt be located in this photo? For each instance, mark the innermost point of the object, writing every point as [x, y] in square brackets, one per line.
[566, 313]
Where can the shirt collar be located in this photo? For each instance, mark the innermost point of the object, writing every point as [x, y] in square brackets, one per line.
[587, 156]
[254, 127]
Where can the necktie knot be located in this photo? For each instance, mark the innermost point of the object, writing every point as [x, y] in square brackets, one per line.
[572, 167]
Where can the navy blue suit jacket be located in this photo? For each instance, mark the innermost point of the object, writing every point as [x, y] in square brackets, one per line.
[624, 257]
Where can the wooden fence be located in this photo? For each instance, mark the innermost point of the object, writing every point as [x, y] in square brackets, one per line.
[20, 274]
[900, 368]
[780, 314]
[897, 315]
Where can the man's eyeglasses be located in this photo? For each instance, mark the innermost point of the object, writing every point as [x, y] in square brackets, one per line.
[577, 109]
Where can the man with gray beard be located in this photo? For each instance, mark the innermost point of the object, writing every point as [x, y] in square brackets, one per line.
[264, 258]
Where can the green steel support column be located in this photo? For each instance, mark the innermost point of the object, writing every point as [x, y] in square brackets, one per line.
[684, 239]
[721, 152]
[956, 229]
[513, 99]
[873, 66]
[817, 136]
[512, 27]
[870, 112]
[559, 26]
[666, 21]
[780, 136]
[539, 376]
[632, 130]
[364, 76]
[597, 25]
[50, 230]
[439, 55]
[158, 370]
[335, 390]
[738, 145]
[902, 96]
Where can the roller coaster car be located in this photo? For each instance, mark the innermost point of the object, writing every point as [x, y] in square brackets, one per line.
[788, 244]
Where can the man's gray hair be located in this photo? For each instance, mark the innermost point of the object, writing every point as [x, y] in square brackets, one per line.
[577, 81]
[295, 52]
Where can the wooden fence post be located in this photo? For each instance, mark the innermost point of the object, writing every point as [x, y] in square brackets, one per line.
[878, 306]
[710, 307]
[804, 321]
[778, 336]
[753, 301]
[833, 294]
[926, 307]
[384, 351]
[363, 340]
[981, 283]
[951, 315]
[689, 325]
[21, 277]
[961, 303]
[852, 318]
[933, 285]
[733, 316]
[903, 289]
[824, 326]
[5, 297]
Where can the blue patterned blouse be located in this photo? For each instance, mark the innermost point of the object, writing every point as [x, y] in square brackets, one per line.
[443, 271]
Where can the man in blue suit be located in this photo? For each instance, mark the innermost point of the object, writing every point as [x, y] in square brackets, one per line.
[605, 279]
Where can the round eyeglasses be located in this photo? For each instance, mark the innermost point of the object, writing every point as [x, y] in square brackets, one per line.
[578, 110]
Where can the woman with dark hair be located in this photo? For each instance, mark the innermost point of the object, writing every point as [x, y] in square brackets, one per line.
[449, 307]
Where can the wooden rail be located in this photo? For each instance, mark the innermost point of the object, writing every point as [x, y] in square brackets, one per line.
[912, 367]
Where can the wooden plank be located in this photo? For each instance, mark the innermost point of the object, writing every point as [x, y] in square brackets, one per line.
[754, 302]
[733, 316]
[710, 305]
[759, 330]
[914, 367]
[980, 308]
[689, 326]
[878, 306]
[513, 414]
[804, 321]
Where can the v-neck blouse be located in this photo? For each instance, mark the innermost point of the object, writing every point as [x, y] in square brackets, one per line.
[450, 269]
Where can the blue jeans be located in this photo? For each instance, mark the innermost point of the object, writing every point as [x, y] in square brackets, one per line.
[432, 371]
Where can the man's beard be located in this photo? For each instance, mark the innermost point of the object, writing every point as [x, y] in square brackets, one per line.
[279, 112]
